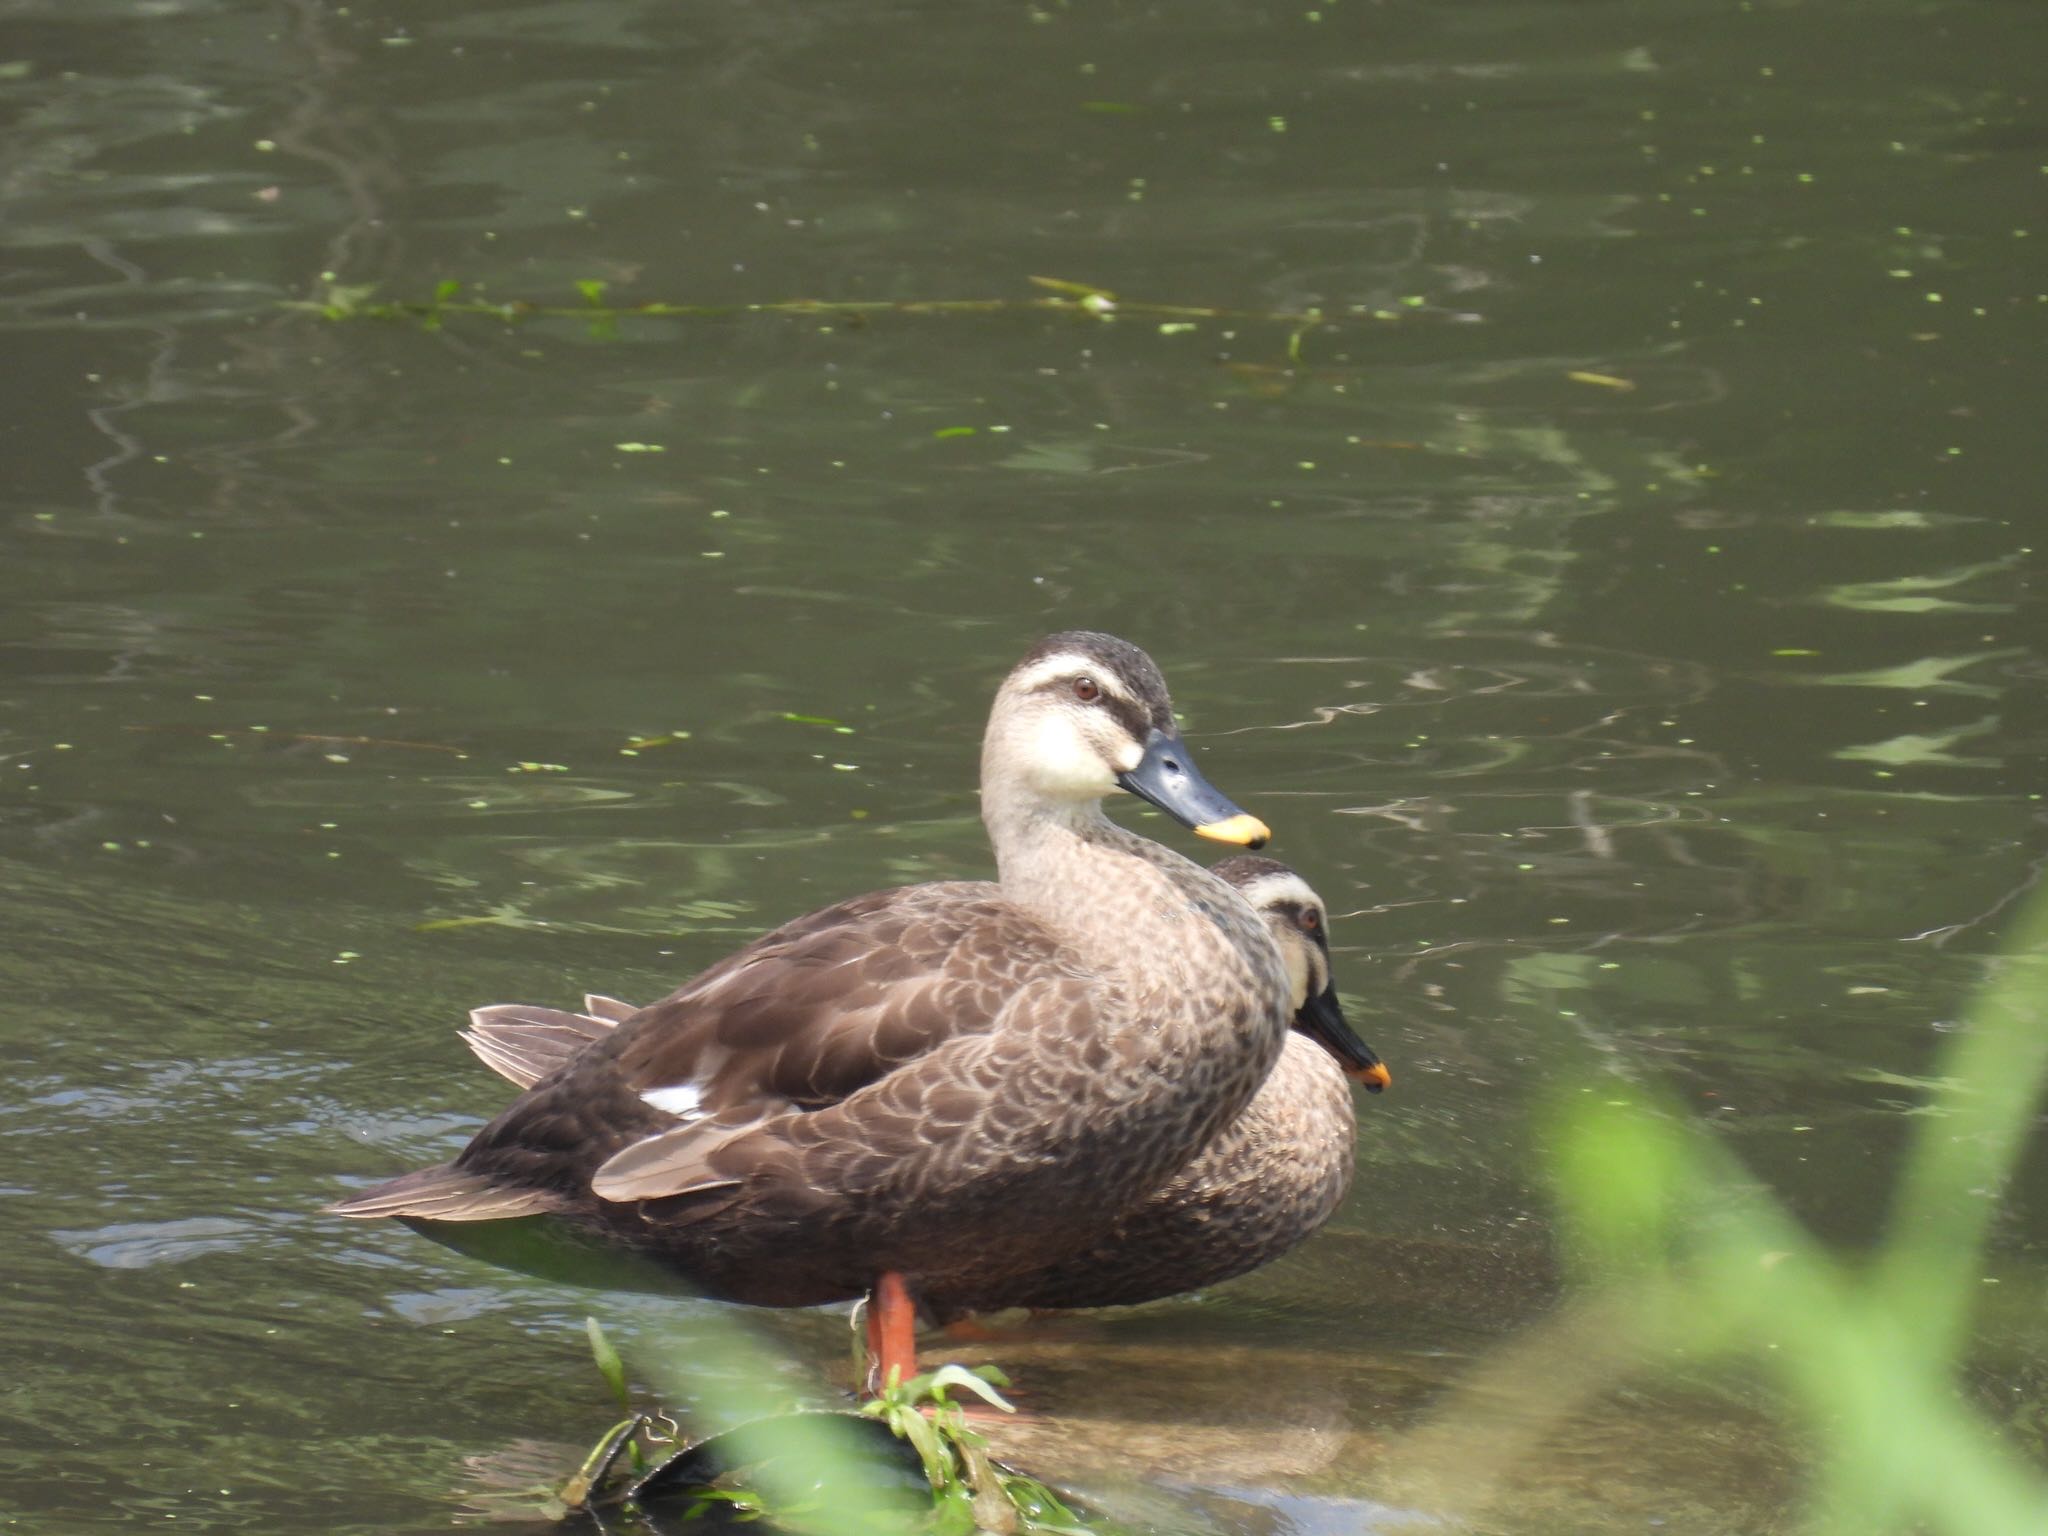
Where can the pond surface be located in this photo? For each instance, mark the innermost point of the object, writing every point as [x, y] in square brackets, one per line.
[1626, 609]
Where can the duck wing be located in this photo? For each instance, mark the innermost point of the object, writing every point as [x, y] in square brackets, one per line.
[791, 1156]
[821, 1010]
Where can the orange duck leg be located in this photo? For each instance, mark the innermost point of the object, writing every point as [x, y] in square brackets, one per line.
[892, 1332]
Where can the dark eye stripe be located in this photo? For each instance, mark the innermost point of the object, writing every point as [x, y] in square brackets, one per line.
[1132, 716]
[1296, 913]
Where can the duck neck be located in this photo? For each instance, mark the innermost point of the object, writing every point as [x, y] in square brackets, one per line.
[1042, 849]
[1192, 991]
[1112, 895]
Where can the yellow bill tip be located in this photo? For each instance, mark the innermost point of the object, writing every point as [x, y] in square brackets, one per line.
[1244, 829]
[1375, 1077]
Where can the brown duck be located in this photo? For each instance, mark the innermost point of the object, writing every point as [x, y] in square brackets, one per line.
[1265, 1183]
[917, 1089]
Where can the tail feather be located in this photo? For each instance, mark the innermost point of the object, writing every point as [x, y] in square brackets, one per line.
[445, 1193]
[524, 1044]
[520, 1066]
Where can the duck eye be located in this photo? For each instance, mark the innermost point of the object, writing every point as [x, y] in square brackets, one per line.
[1086, 690]
[1311, 921]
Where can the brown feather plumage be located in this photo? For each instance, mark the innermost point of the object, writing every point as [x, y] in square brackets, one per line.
[1269, 1180]
[949, 1081]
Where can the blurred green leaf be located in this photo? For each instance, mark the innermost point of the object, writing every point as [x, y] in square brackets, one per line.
[609, 1365]
[1682, 1252]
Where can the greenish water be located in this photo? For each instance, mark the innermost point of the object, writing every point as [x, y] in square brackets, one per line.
[1637, 641]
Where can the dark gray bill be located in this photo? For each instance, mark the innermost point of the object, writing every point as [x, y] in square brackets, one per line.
[1166, 776]
[1322, 1020]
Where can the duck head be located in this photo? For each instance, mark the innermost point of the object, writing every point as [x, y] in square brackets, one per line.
[1300, 926]
[1084, 714]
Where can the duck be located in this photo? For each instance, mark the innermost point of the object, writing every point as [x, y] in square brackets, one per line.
[914, 1091]
[1266, 1183]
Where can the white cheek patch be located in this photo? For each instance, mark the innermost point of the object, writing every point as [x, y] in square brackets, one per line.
[1129, 756]
[684, 1100]
[1064, 763]
[1294, 950]
[1266, 894]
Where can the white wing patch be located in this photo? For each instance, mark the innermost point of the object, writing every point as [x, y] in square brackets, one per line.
[683, 1100]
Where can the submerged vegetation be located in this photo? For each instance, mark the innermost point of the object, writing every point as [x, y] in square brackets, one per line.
[1057, 296]
[907, 1460]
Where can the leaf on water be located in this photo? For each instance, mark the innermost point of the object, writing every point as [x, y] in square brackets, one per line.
[1076, 457]
[1919, 605]
[338, 301]
[1890, 518]
[592, 289]
[1072, 290]
[446, 289]
[1537, 976]
[479, 920]
[1601, 380]
[955, 432]
[1906, 594]
[1928, 748]
[1927, 674]
[796, 719]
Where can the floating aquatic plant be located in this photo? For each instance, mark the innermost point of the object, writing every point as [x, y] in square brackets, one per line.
[451, 299]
